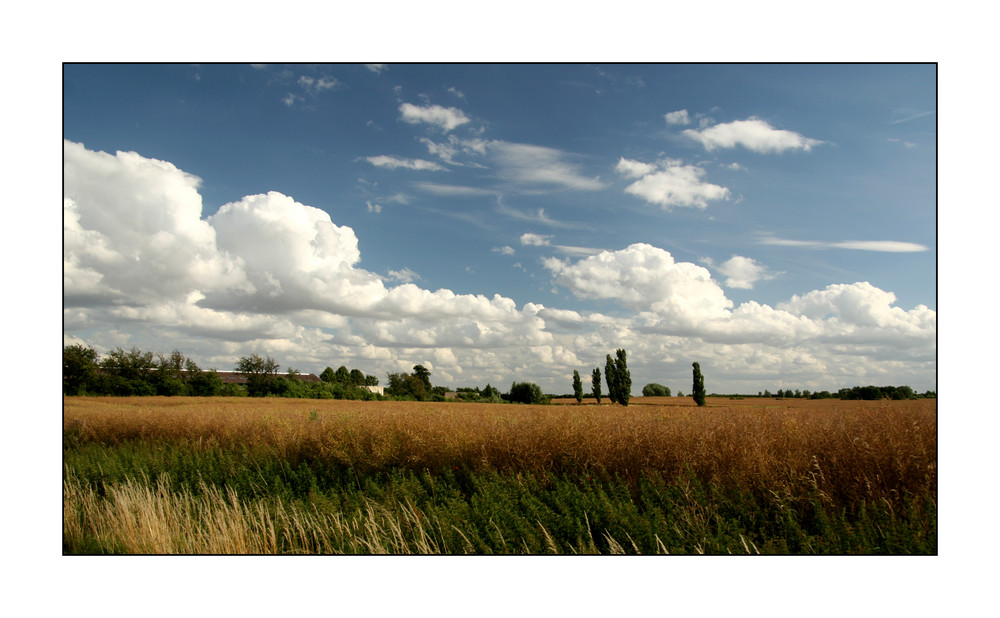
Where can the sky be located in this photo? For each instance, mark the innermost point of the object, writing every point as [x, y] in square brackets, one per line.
[775, 223]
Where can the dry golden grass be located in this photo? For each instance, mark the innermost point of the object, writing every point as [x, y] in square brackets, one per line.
[136, 517]
[844, 449]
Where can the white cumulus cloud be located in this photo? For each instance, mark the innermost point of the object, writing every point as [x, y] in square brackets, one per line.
[634, 169]
[753, 134]
[678, 117]
[741, 272]
[644, 278]
[670, 183]
[268, 274]
[534, 240]
[445, 118]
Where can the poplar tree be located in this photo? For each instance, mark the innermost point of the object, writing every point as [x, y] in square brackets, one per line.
[698, 385]
[618, 378]
[595, 383]
[577, 386]
[609, 377]
[623, 377]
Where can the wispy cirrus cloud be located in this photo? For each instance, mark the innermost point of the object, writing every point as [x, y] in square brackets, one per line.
[539, 240]
[391, 162]
[319, 84]
[537, 216]
[753, 134]
[885, 246]
[527, 164]
[906, 114]
[452, 190]
[454, 146]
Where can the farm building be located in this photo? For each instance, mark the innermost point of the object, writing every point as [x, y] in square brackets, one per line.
[235, 377]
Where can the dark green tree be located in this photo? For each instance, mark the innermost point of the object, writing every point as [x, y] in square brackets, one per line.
[407, 385]
[328, 375]
[595, 383]
[424, 376]
[698, 385]
[203, 383]
[526, 392]
[79, 369]
[343, 376]
[261, 373]
[655, 390]
[611, 379]
[577, 386]
[170, 378]
[623, 377]
[127, 373]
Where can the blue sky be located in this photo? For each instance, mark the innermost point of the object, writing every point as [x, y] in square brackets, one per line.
[776, 223]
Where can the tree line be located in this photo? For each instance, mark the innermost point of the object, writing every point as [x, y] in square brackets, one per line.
[136, 372]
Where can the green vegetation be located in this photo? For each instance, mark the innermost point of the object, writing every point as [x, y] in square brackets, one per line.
[595, 384]
[134, 372]
[655, 390]
[527, 392]
[618, 377]
[842, 482]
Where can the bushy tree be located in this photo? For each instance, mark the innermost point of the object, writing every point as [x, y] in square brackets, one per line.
[698, 385]
[407, 385]
[526, 392]
[79, 369]
[424, 376]
[126, 373]
[204, 383]
[595, 383]
[169, 379]
[655, 390]
[328, 375]
[261, 373]
[577, 386]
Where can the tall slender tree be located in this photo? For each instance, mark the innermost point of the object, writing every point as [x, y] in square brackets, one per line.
[595, 383]
[577, 386]
[611, 379]
[623, 378]
[698, 385]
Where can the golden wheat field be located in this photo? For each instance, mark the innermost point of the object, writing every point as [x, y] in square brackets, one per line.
[854, 447]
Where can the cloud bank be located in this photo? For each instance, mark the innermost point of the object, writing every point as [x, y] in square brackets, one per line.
[267, 274]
